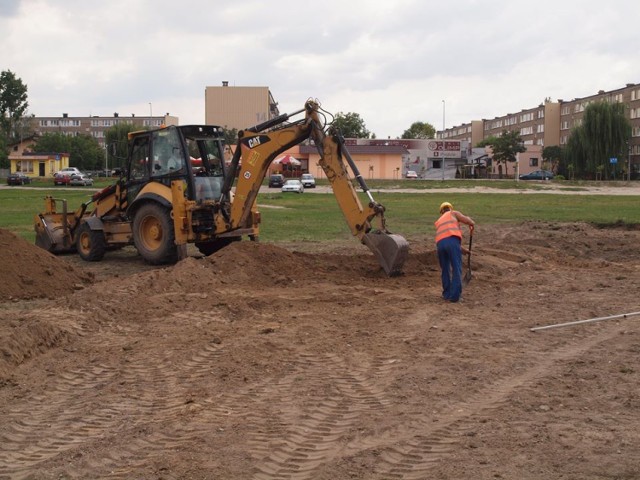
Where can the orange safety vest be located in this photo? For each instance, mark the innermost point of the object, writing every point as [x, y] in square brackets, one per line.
[447, 226]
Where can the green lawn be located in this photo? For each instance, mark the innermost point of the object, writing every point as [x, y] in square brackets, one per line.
[317, 217]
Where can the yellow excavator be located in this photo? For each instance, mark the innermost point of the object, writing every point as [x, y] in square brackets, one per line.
[178, 189]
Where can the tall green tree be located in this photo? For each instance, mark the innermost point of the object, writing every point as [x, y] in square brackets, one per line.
[4, 153]
[351, 125]
[421, 130]
[13, 106]
[603, 134]
[552, 156]
[230, 136]
[505, 148]
[84, 150]
[13, 103]
[117, 144]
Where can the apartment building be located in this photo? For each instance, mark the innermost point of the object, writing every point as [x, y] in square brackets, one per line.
[550, 123]
[96, 126]
[238, 107]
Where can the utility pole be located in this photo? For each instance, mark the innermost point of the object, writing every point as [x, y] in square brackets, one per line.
[443, 123]
[628, 161]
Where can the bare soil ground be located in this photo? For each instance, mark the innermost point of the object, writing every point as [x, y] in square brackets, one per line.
[307, 362]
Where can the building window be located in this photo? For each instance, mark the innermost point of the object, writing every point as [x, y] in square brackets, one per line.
[24, 166]
[533, 162]
[564, 125]
[526, 131]
[526, 117]
[540, 128]
[565, 110]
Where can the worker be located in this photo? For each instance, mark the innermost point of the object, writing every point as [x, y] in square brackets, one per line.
[449, 247]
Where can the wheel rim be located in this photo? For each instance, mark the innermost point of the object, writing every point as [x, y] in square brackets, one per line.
[151, 233]
[85, 242]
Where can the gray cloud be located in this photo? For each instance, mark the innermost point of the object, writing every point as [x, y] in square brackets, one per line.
[391, 62]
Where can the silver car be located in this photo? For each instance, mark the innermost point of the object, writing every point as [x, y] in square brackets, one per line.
[308, 181]
[293, 186]
[82, 180]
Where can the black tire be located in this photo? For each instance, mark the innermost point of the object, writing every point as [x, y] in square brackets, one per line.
[209, 248]
[90, 244]
[153, 234]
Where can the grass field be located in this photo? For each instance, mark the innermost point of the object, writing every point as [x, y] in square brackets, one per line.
[317, 217]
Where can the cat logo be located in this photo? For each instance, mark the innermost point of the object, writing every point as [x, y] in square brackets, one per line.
[253, 142]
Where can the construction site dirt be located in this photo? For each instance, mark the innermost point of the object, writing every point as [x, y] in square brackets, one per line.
[305, 361]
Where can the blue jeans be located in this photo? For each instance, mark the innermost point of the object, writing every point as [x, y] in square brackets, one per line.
[450, 258]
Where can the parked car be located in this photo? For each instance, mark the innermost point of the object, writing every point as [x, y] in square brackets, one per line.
[293, 186]
[411, 174]
[276, 180]
[61, 178]
[82, 179]
[18, 178]
[308, 181]
[68, 171]
[537, 175]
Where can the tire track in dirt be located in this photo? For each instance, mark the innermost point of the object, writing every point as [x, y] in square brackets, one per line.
[303, 432]
[44, 427]
[306, 435]
[410, 456]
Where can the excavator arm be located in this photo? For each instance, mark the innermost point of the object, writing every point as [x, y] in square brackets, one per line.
[260, 145]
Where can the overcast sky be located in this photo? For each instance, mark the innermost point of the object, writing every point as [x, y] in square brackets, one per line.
[393, 62]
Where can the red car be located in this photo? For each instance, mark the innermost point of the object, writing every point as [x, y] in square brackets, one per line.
[61, 179]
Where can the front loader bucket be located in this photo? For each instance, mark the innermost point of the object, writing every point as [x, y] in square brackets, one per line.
[52, 236]
[391, 250]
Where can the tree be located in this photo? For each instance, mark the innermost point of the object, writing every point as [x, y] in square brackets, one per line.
[505, 148]
[420, 130]
[84, 150]
[4, 153]
[351, 125]
[116, 142]
[230, 136]
[603, 134]
[552, 155]
[13, 103]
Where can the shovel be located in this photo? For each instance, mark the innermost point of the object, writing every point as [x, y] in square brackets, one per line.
[467, 275]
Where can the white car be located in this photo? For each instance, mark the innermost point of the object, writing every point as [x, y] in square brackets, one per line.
[82, 179]
[411, 174]
[293, 186]
[308, 181]
[68, 171]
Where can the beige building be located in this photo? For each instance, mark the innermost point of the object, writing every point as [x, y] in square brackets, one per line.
[238, 107]
[96, 126]
[550, 124]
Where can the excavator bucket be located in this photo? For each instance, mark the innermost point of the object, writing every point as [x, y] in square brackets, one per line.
[52, 234]
[391, 250]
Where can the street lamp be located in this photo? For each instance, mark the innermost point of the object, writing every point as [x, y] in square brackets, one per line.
[628, 161]
[442, 157]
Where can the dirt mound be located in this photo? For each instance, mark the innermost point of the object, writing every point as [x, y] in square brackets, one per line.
[31, 272]
[309, 362]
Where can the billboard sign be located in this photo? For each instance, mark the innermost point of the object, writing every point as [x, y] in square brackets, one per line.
[444, 149]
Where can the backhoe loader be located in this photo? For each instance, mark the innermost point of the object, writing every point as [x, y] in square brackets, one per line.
[177, 189]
